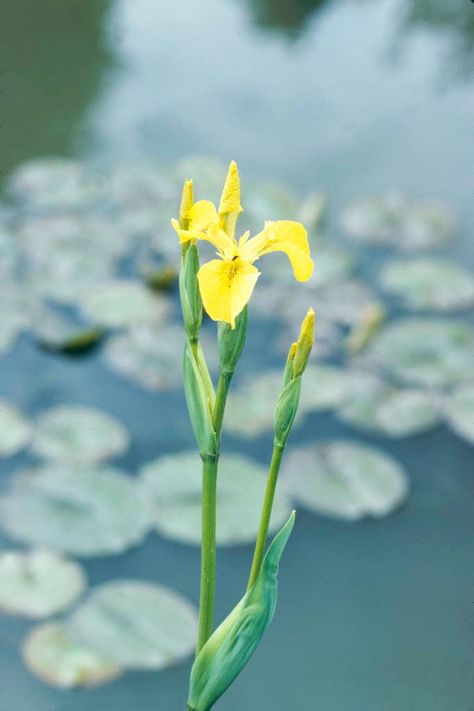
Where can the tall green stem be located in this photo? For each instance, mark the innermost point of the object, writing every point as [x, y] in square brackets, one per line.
[208, 520]
[208, 551]
[266, 513]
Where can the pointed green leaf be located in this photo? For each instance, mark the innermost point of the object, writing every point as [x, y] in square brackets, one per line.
[228, 650]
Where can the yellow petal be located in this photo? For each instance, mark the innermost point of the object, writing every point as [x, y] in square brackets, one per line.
[283, 236]
[202, 215]
[230, 198]
[184, 235]
[226, 287]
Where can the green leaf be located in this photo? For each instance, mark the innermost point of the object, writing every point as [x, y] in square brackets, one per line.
[230, 647]
[51, 654]
[39, 583]
[136, 624]
[197, 399]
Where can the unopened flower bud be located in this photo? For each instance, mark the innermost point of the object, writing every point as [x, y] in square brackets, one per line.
[231, 341]
[304, 344]
[187, 201]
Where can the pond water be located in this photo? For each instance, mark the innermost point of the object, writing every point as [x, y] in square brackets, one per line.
[349, 96]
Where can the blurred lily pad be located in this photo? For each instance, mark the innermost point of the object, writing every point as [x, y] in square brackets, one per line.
[376, 406]
[267, 201]
[426, 351]
[124, 303]
[39, 583]
[55, 182]
[51, 654]
[141, 183]
[325, 387]
[59, 334]
[398, 220]
[312, 210]
[78, 434]
[459, 411]
[250, 407]
[429, 283]
[83, 511]
[136, 624]
[173, 485]
[15, 429]
[345, 479]
[16, 313]
[152, 356]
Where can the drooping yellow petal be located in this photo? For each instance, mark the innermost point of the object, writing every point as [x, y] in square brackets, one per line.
[230, 198]
[282, 236]
[226, 287]
[184, 235]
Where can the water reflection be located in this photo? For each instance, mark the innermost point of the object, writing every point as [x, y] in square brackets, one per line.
[454, 20]
[289, 17]
[53, 60]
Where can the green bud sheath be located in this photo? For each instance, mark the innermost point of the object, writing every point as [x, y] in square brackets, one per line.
[191, 303]
[231, 341]
[285, 411]
[228, 650]
[197, 399]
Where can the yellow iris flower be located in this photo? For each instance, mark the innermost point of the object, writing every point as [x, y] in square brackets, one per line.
[226, 284]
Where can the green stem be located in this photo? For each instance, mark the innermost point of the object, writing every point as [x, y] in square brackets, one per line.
[208, 551]
[208, 521]
[266, 513]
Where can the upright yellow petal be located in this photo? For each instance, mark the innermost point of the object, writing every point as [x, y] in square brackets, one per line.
[230, 198]
[202, 215]
[282, 236]
[226, 287]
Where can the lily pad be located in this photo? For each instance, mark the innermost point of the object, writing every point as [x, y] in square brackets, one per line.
[376, 406]
[459, 411]
[429, 284]
[55, 182]
[250, 408]
[51, 654]
[153, 356]
[60, 334]
[345, 480]
[173, 485]
[82, 511]
[78, 434]
[398, 220]
[136, 624]
[15, 429]
[38, 584]
[325, 387]
[124, 303]
[425, 351]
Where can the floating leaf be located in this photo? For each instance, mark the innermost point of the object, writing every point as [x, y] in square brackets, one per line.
[250, 407]
[136, 624]
[395, 219]
[325, 387]
[55, 182]
[9, 256]
[376, 406]
[59, 334]
[51, 654]
[78, 434]
[141, 183]
[459, 411]
[267, 201]
[173, 485]
[124, 303]
[345, 479]
[39, 583]
[429, 283]
[87, 512]
[426, 351]
[15, 429]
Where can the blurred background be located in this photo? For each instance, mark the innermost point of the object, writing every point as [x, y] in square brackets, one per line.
[354, 116]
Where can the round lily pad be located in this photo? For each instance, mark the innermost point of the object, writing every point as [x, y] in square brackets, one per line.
[459, 411]
[60, 334]
[39, 583]
[325, 387]
[173, 485]
[136, 624]
[54, 182]
[15, 429]
[78, 434]
[250, 408]
[398, 220]
[51, 654]
[345, 479]
[376, 406]
[426, 351]
[82, 511]
[124, 303]
[429, 284]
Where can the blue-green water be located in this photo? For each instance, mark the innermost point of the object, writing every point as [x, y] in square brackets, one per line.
[353, 97]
